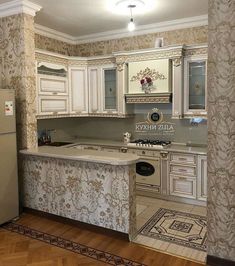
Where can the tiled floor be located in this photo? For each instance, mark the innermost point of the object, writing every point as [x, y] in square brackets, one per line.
[147, 207]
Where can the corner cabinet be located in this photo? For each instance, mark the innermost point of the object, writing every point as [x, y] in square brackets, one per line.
[195, 86]
[52, 87]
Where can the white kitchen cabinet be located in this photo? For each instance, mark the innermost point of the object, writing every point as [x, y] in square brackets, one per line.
[183, 158]
[103, 92]
[94, 84]
[195, 86]
[202, 178]
[177, 87]
[50, 85]
[109, 89]
[78, 90]
[52, 105]
[52, 89]
[183, 186]
[183, 175]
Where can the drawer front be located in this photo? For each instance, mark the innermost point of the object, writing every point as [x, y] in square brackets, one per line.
[141, 152]
[183, 158]
[183, 170]
[55, 86]
[53, 105]
[182, 187]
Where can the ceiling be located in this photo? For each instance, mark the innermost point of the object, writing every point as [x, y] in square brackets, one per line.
[85, 17]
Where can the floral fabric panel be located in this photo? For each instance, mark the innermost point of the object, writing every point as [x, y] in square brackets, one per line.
[93, 193]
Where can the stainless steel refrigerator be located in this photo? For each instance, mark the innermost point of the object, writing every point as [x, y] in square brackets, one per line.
[9, 196]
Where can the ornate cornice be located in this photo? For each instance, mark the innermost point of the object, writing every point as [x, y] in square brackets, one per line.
[196, 50]
[18, 7]
[149, 98]
[116, 115]
[177, 24]
[154, 54]
[177, 61]
[51, 59]
[102, 61]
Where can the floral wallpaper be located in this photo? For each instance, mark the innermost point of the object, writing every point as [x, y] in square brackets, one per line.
[17, 66]
[52, 45]
[99, 194]
[221, 128]
[183, 36]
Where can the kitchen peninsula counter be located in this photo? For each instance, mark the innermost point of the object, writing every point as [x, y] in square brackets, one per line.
[71, 153]
[93, 187]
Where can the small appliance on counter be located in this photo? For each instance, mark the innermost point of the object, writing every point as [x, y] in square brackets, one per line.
[127, 137]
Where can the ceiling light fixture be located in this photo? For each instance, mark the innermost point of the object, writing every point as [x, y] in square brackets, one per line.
[131, 24]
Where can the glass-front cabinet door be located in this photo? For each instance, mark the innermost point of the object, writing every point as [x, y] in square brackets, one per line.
[110, 89]
[195, 87]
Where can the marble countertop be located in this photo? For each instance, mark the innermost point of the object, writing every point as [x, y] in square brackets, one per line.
[114, 158]
[176, 147]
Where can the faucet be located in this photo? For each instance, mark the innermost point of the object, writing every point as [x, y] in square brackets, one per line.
[45, 136]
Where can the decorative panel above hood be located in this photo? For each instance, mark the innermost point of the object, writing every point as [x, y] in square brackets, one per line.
[149, 78]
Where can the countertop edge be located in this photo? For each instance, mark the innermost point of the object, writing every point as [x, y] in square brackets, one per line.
[86, 158]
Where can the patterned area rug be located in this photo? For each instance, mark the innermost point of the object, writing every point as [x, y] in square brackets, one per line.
[176, 227]
[70, 245]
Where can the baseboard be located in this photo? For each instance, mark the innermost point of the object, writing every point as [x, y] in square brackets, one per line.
[82, 225]
[215, 261]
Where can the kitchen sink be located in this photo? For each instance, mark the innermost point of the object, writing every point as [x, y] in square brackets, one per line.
[58, 143]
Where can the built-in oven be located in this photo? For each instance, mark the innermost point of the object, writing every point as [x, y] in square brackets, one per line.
[148, 173]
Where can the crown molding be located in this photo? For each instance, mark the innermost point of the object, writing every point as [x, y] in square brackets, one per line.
[17, 7]
[122, 33]
[54, 34]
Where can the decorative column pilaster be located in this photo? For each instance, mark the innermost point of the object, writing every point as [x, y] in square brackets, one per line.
[17, 54]
[221, 130]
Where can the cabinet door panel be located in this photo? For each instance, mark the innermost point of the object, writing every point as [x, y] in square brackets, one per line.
[49, 85]
[94, 90]
[52, 105]
[78, 90]
[182, 187]
[195, 89]
[109, 90]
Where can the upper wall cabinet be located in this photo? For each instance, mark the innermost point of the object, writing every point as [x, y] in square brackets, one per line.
[52, 87]
[195, 86]
[109, 89]
[78, 86]
[102, 82]
[189, 81]
[78, 90]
